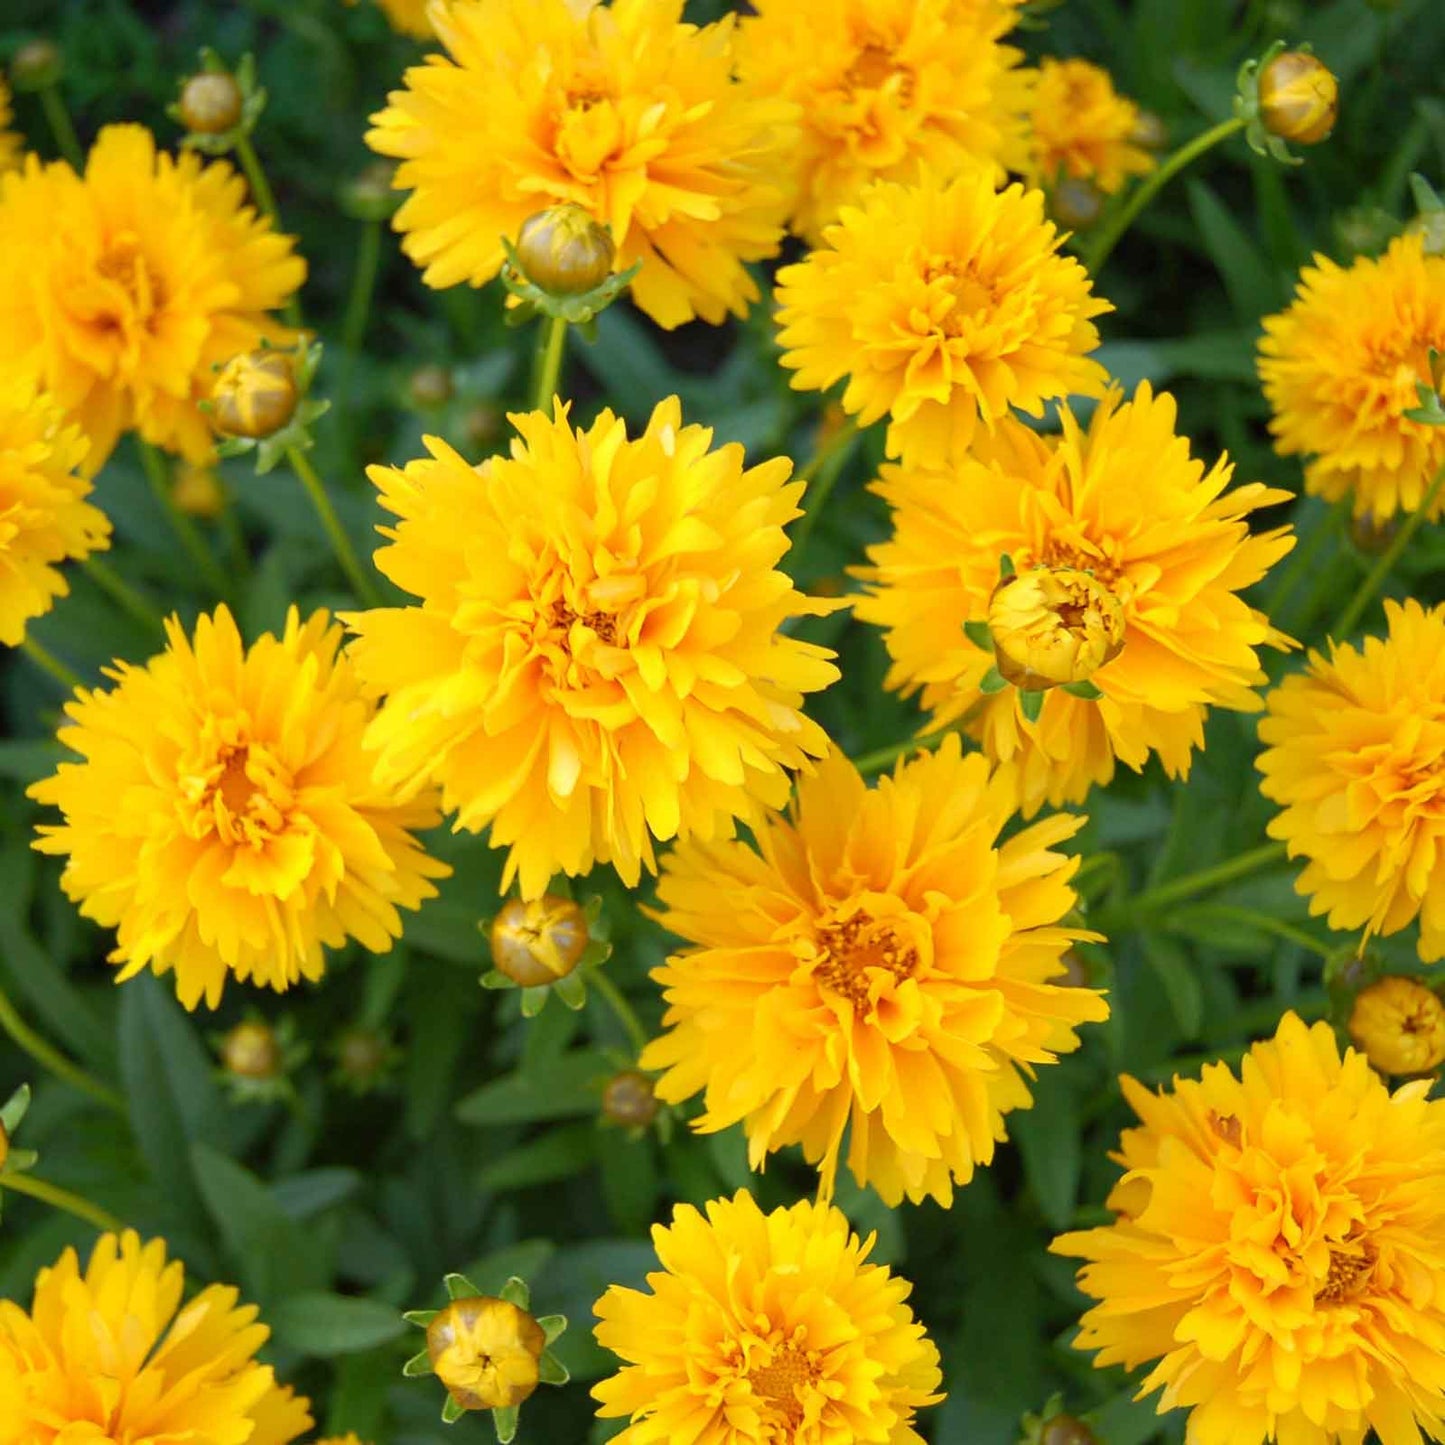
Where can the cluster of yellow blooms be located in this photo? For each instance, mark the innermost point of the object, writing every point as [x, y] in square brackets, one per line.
[595, 656]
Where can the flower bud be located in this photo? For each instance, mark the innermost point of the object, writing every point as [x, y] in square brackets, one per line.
[628, 1099]
[1299, 98]
[429, 386]
[211, 103]
[1053, 626]
[482, 425]
[1400, 1025]
[1076, 971]
[1149, 131]
[563, 251]
[1372, 535]
[197, 491]
[251, 1051]
[362, 1056]
[1066, 1430]
[255, 394]
[538, 940]
[486, 1351]
[369, 195]
[1075, 204]
[37, 65]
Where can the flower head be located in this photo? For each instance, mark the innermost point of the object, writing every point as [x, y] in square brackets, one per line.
[1353, 758]
[1174, 556]
[486, 1351]
[1081, 128]
[882, 961]
[110, 1353]
[942, 303]
[765, 1328]
[1399, 1025]
[1299, 98]
[132, 282]
[1341, 368]
[596, 660]
[1277, 1249]
[12, 143]
[622, 109]
[44, 517]
[887, 89]
[1052, 626]
[224, 818]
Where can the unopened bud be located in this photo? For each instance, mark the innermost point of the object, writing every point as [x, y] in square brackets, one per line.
[539, 940]
[255, 394]
[482, 425]
[430, 386]
[1299, 98]
[1066, 1430]
[37, 65]
[563, 251]
[211, 103]
[362, 1055]
[1053, 626]
[486, 1351]
[369, 195]
[628, 1099]
[1399, 1024]
[251, 1051]
[1149, 131]
[1075, 204]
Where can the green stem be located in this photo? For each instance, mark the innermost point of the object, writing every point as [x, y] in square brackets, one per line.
[1107, 237]
[1265, 923]
[1365, 593]
[1175, 889]
[550, 346]
[363, 286]
[364, 587]
[1301, 563]
[158, 475]
[881, 758]
[824, 469]
[599, 980]
[48, 662]
[58, 119]
[265, 199]
[119, 590]
[58, 1198]
[49, 1057]
[231, 527]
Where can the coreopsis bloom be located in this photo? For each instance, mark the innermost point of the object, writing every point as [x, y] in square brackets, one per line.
[765, 1328]
[1353, 758]
[130, 283]
[1072, 518]
[1279, 1250]
[944, 304]
[224, 818]
[1399, 1025]
[111, 1353]
[486, 1351]
[1340, 369]
[622, 109]
[881, 960]
[44, 517]
[887, 89]
[12, 143]
[596, 660]
[1081, 128]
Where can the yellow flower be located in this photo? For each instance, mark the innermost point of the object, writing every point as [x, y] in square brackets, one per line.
[486, 1351]
[1340, 369]
[44, 517]
[224, 817]
[110, 1353]
[410, 17]
[1399, 1025]
[941, 303]
[883, 961]
[1279, 1250]
[1054, 626]
[12, 143]
[142, 275]
[886, 88]
[622, 109]
[1175, 555]
[1354, 750]
[1081, 128]
[765, 1329]
[255, 394]
[597, 659]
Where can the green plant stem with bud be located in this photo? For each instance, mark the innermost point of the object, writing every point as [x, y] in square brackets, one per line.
[52, 1060]
[122, 593]
[821, 474]
[63, 1199]
[265, 199]
[617, 1001]
[364, 587]
[48, 663]
[551, 344]
[881, 758]
[363, 286]
[1175, 890]
[57, 117]
[158, 476]
[1265, 923]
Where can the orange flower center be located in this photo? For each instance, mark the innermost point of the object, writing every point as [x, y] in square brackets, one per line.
[1350, 1271]
[855, 949]
[778, 1381]
[962, 292]
[237, 792]
[876, 67]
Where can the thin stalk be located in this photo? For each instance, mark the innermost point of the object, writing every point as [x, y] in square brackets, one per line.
[363, 586]
[363, 286]
[881, 758]
[1176, 889]
[231, 527]
[50, 1058]
[1265, 923]
[65, 1199]
[57, 117]
[265, 199]
[821, 474]
[120, 591]
[599, 980]
[158, 475]
[1107, 237]
[550, 346]
[1365, 593]
[1302, 562]
[47, 662]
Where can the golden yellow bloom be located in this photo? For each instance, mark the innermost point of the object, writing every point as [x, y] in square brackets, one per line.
[224, 817]
[884, 961]
[1399, 1024]
[486, 1351]
[197, 490]
[1340, 368]
[1081, 128]
[255, 394]
[941, 303]
[765, 1329]
[1053, 626]
[12, 143]
[1354, 750]
[142, 275]
[596, 660]
[887, 89]
[539, 940]
[1279, 1250]
[44, 517]
[410, 17]
[1299, 98]
[622, 109]
[110, 1354]
[1175, 555]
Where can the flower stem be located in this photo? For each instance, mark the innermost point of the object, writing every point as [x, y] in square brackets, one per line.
[1265, 923]
[876, 761]
[59, 1198]
[340, 543]
[821, 474]
[1365, 593]
[617, 1002]
[1152, 899]
[120, 591]
[50, 1058]
[57, 117]
[158, 475]
[1302, 562]
[550, 346]
[1107, 237]
[49, 663]
[265, 199]
[363, 286]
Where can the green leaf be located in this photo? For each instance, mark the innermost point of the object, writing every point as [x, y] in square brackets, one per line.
[551, 1370]
[559, 1153]
[566, 1088]
[504, 1421]
[451, 1411]
[417, 1366]
[307, 1194]
[1031, 704]
[325, 1325]
[516, 1292]
[534, 1000]
[1048, 1139]
[1172, 964]
[572, 989]
[553, 1326]
[460, 1287]
[1085, 690]
[992, 681]
[977, 632]
[1253, 285]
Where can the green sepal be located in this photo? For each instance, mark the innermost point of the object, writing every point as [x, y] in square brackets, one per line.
[1006, 566]
[1427, 199]
[420, 1317]
[534, 1000]
[504, 1420]
[451, 1411]
[991, 682]
[460, 1287]
[551, 1370]
[1431, 411]
[1261, 141]
[592, 909]
[417, 1366]
[977, 632]
[517, 1292]
[1031, 703]
[1085, 690]
[578, 309]
[496, 979]
[13, 1110]
[18, 1161]
[598, 950]
[572, 990]
[553, 1326]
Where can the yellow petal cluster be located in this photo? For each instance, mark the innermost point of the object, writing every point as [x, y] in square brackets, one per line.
[1081, 128]
[1279, 1250]
[142, 275]
[486, 1351]
[1175, 554]
[881, 963]
[943, 304]
[886, 90]
[622, 109]
[44, 517]
[596, 659]
[12, 143]
[111, 1355]
[765, 1329]
[1341, 367]
[1354, 749]
[223, 818]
